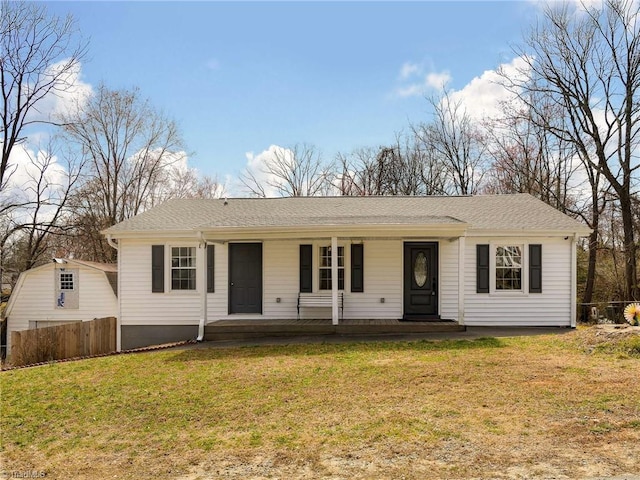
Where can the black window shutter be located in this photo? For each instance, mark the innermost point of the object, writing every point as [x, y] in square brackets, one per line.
[157, 268]
[535, 268]
[211, 250]
[306, 268]
[482, 268]
[357, 268]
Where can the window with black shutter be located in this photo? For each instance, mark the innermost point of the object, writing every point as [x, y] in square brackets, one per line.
[306, 268]
[482, 268]
[157, 268]
[535, 268]
[357, 268]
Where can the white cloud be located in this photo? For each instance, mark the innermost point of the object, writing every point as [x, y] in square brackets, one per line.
[409, 69]
[437, 81]
[257, 166]
[27, 166]
[29, 156]
[69, 90]
[415, 82]
[410, 91]
[578, 6]
[483, 95]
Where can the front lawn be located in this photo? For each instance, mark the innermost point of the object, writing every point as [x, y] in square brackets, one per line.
[528, 407]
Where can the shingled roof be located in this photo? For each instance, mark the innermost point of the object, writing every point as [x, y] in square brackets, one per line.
[520, 212]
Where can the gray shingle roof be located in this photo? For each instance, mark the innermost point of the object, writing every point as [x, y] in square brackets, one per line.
[520, 212]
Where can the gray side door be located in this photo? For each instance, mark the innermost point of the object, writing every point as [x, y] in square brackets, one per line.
[245, 278]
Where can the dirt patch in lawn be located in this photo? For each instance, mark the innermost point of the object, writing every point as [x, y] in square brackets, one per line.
[622, 339]
[540, 407]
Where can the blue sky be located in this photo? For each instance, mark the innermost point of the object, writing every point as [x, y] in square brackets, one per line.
[240, 77]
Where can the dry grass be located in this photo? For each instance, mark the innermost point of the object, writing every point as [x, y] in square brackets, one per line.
[553, 406]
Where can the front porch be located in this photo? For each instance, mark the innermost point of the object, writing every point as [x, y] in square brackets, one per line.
[248, 329]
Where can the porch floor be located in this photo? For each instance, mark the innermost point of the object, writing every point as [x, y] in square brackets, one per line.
[248, 329]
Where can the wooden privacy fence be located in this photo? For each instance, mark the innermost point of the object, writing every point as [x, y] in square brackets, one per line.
[71, 340]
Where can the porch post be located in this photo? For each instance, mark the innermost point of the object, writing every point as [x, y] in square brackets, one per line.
[461, 275]
[334, 281]
[201, 285]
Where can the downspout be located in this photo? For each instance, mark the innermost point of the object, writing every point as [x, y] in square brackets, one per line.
[334, 281]
[574, 280]
[203, 286]
[461, 278]
[116, 247]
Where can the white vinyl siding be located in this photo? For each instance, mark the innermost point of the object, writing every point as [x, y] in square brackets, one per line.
[35, 303]
[448, 279]
[383, 279]
[139, 306]
[552, 307]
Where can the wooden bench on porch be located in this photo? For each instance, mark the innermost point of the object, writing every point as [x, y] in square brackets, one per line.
[319, 300]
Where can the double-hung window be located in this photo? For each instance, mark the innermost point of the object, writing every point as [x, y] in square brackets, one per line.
[183, 268]
[509, 268]
[325, 268]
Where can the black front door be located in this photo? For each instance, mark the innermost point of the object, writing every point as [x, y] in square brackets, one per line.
[421, 281]
[245, 278]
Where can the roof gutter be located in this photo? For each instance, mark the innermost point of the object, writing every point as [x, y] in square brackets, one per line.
[112, 243]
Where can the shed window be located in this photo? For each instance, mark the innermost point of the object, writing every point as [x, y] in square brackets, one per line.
[325, 268]
[183, 268]
[66, 281]
[509, 267]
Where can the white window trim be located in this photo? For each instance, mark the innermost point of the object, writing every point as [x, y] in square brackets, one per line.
[524, 248]
[318, 267]
[169, 269]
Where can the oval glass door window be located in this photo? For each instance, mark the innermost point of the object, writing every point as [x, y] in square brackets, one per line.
[420, 269]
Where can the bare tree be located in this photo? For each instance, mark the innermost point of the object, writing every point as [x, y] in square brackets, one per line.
[298, 171]
[185, 182]
[527, 158]
[589, 66]
[128, 147]
[41, 207]
[457, 141]
[359, 174]
[38, 55]
[405, 168]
